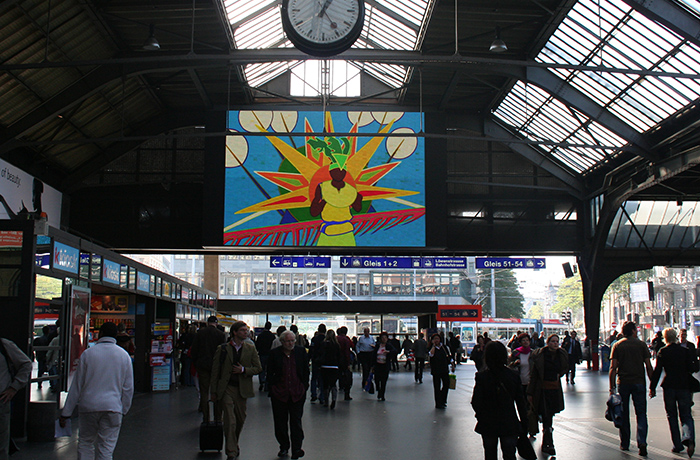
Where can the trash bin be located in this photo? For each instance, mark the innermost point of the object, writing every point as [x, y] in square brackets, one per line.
[604, 358]
[41, 420]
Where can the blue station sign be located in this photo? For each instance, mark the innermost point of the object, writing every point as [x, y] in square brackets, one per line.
[509, 262]
[403, 262]
[300, 262]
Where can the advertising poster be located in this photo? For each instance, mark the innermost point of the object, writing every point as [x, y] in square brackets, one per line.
[364, 186]
[80, 320]
[22, 197]
[110, 304]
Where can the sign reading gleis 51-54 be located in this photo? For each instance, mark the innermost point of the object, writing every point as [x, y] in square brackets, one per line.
[509, 262]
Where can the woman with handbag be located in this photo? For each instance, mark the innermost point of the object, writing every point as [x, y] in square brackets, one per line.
[544, 393]
[497, 394]
[679, 364]
[381, 360]
[440, 360]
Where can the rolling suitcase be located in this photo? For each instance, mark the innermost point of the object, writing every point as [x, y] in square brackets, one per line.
[211, 433]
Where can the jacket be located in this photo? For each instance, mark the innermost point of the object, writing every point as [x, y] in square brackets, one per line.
[577, 354]
[222, 369]
[677, 363]
[275, 368]
[389, 347]
[104, 380]
[204, 346]
[495, 399]
[535, 389]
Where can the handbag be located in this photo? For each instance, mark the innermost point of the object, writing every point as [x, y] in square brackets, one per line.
[453, 382]
[693, 384]
[525, 449]
[369, 386]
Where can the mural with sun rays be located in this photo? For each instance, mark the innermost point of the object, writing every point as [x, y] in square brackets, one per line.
[324, 189]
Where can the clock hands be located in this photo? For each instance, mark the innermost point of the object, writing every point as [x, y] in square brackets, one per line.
[325, 6]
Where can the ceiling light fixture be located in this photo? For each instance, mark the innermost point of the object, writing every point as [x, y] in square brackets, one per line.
[152, 42]
[498, 45]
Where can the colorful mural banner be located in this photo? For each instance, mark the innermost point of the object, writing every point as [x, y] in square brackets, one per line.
[324, 189]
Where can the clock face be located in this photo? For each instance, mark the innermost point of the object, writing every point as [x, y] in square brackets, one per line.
[322, 27]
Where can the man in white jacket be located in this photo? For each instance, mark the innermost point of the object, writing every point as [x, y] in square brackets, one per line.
[102, 387]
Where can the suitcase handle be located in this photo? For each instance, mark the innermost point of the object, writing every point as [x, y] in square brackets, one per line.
[211, 411]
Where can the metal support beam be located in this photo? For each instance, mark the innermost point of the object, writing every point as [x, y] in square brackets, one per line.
[574, 185]
[671, 15]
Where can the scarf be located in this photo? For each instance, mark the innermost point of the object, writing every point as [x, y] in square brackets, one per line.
[523, 350]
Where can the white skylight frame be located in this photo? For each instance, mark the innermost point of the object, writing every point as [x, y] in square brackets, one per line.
[389, 24]
[629, 40]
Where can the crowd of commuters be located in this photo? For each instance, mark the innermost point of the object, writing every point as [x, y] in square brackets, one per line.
[517, 388]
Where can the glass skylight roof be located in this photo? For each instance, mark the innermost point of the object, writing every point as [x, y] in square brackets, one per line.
[655, 224]
[610, 34]
[389, 24]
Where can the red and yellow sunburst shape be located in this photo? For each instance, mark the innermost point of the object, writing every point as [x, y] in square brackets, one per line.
[313, 167]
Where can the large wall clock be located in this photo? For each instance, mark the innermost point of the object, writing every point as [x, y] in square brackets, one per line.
[323, 27]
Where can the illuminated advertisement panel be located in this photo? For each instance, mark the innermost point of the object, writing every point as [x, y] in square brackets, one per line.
[356, 179]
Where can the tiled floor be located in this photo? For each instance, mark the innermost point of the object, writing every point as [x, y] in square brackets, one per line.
[406, 426]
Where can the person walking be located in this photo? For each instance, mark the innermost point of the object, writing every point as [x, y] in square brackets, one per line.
[288, 380]
[42, 341]
[102, 389]
[15, 371]
[406, 347]
[497, 395]
[678, 364]
[381, 362]
[520, 360]
[365, 349]
[573, 348]
[345, 373]
[477, 354]
[263, 344]
[420, 352]
[396, 344]
[183, 345]
[440, 360]
[234, 365]
[628, 359]
[203, 348]
[329, 363]
[316, 377]
[544, 392]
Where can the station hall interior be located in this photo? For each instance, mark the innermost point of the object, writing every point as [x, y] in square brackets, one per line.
[206, 129]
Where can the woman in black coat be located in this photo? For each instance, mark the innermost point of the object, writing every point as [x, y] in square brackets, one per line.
[381, 360]
[440, 360]
[329, 362]
[497, 393]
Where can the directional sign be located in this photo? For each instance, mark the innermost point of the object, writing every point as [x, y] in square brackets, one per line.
[403, 262]
[300, 262]
[459, 313]
[377, 262]
[509, 262]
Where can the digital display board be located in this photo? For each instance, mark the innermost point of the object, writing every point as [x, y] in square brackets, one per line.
[329, 188]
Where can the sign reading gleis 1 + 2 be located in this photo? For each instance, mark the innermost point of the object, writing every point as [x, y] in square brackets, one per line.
[509, 262]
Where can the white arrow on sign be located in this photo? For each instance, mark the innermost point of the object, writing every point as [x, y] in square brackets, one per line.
[344, 263]
[275, 262]
[540, 263]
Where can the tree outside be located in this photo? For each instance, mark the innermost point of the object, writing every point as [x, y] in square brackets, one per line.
[570, 298]
[509, 300]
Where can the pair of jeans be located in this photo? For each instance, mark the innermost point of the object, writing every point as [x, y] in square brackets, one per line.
[381, 375]
[99, 432]
[679, 402]
[316, 383]
[639, 398]
[508, 447]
